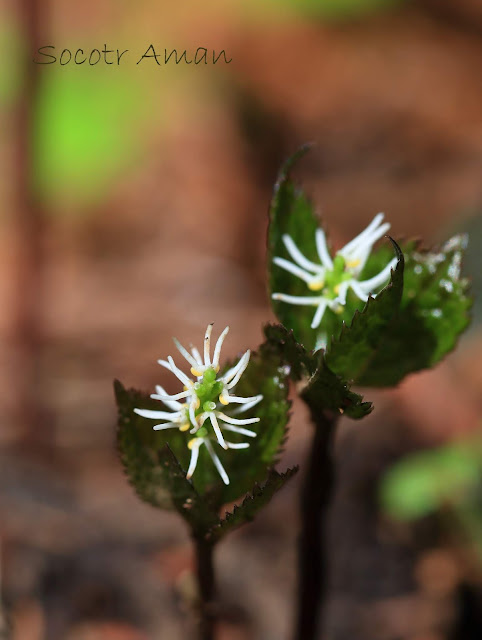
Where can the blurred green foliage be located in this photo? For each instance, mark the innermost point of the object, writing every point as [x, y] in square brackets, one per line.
[426, 482]
[87, 131]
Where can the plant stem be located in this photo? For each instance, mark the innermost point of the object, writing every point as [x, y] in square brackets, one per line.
[315, 498]
[207, 587]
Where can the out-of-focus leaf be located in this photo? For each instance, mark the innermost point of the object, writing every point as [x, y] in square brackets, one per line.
[255, 500]
[354, 352]
[434, 311]
[424, 482]
[319, 387]
[86, 131]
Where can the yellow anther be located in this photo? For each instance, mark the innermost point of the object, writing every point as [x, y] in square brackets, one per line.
[351, 264]
[197, 403]
[185, 388]
[184, 427]
[337, 289]
[223, 400]
[316, 285]
[195, 372]
[190, 444]
[339, 309]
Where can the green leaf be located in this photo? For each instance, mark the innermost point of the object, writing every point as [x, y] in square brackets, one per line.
[353, 353]
[185, 498]
[321, 389]
[245, 467]
[434, 311]
[424, 482]
[86, 132]
[139, 446]
[255, 500]
[291, 213]
[327, 391]
[282, 341]
[153, 469]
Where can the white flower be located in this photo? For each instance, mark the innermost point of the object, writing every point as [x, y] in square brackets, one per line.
[200, 410]
[333, 277]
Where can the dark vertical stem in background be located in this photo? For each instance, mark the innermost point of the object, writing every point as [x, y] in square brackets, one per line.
[312, 553]
[207, 588]
[29, 227]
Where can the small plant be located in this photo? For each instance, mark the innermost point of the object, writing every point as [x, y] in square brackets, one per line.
[379, 315]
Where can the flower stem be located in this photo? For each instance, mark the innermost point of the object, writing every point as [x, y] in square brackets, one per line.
[315, 498]
[207, 587]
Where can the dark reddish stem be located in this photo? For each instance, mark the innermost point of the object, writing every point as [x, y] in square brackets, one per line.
[312, 554]
[207, 588]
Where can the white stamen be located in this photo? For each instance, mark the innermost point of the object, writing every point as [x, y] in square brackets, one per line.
[166, 425]
[294, 269]
[229, 420]
[169, 402]
[217, 349]
[217, 430]
[241, 370]
[178, 373]
[296, 299]
[217, 462]
[176, 396]
[342, 291]
[196, 355]
[194, 457]
[147, 413]
[192, 414]
[237, 445]
[242, 400]
[245, 407]
[360, 238]
[380, 278]
[297, 256]
[357, 290]
[207, 345]
[315, 323]
[244, 432]
[229, 375]
[184, 352]
[323, 249]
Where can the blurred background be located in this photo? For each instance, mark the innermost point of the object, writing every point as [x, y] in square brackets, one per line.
[133, 208]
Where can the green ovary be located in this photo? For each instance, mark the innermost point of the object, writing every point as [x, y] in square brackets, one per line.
[334, 278]
[207, 390]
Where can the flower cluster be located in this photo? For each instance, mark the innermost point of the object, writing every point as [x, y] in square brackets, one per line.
[200, 408]
[334, 277]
